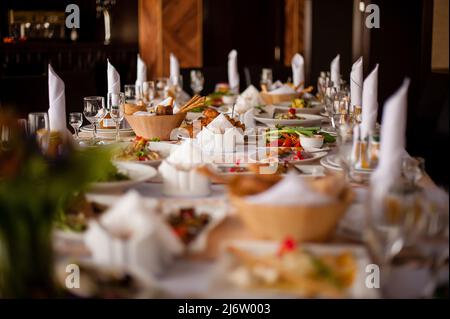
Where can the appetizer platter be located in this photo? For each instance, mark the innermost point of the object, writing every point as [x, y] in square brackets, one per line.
[269, 269]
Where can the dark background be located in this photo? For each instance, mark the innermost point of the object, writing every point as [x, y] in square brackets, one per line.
[402, 46]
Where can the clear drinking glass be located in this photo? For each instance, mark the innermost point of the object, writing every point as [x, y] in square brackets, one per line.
[130, 93]
[161, 87]
[394, 219]
[197, 81]
[38, 126]
[76, 120]
[148, 92]
[94, 111]
[266, 78]
[176, 84]
[116, 109]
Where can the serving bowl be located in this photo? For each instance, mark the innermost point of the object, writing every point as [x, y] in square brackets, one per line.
[155, 126]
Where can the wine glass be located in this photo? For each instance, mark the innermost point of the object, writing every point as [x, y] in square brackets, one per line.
[116, 109]
[130, 93]
[197, 81]
[94, 111]
[76, 120]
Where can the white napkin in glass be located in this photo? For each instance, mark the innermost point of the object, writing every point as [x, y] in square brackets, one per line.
[131, 235]
[369, 103]
[298, 70]
[141, 71]
[392, 143]
[284, 89]
[335, 70]
[289, 189]
[356, 82]
[113, 79]
[57, 102]
[174, 67]
[233, 74]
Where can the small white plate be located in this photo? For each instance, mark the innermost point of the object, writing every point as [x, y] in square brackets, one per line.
[90, 128]
[308, 120]
[331, 162]
[316, 109]
[138, 174]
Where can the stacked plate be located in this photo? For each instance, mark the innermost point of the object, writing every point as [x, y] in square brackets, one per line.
[107, 133]
[332, 162]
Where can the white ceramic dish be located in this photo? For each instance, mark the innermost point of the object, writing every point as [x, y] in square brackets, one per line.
[315, 141]
[308, 120]
[163, 148]
[138, 174]
[331, 162]
[216, 209]
[221, 287]
[316, 108]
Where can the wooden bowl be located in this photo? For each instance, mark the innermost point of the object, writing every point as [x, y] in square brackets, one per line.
[273, 99]
[157, 126]
[303, 223]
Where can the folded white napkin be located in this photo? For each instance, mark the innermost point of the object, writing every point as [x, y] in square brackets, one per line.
[141, 71]
[284, 89]
[187, 155]
[369, 103]
[356, 82]
[249, 119]
[132, 235]
[233, 74]
[57, 102]
[298, 70]
[174, 67]
[251, 94]
[392, 143]
[220, 124]
[289, 189]
[335, 70]
[113, 79]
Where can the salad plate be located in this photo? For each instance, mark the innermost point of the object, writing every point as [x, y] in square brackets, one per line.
[331, 162]
[128, 175]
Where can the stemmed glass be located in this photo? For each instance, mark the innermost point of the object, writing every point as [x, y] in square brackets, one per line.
[197, 81]
[76, 120]
[413, 169]
[116, 103]
[133, 93]
[176, 83]
[94, 111]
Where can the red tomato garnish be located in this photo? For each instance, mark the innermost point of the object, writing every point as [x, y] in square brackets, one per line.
[289, 244]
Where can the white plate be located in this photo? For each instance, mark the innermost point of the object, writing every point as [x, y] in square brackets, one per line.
[138, 174]
[221, 287]
[216, 209]
[273, 159]
[308, 121]
[163, 148]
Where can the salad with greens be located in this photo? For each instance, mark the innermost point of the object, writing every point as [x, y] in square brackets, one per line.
[290, 136]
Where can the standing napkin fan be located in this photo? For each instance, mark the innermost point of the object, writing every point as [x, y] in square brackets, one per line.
[132, 236]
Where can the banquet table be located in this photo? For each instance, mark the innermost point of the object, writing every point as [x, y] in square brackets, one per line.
[191, 275]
